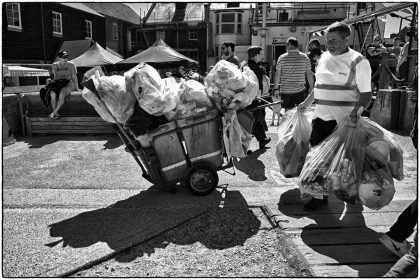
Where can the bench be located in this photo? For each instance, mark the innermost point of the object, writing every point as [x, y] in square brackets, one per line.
[77, 117]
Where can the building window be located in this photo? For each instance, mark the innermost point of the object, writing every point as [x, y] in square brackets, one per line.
[283, 16]
[160, 35]
[193, 35]
[13, 16]
[115, 31]
[57, 23]
[88, 29]
[228, 23]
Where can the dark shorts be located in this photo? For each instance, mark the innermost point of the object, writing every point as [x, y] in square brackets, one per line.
[289, 101]
[321, 130]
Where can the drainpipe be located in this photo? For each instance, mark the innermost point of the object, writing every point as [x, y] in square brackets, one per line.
[43, 35]
[264, 27]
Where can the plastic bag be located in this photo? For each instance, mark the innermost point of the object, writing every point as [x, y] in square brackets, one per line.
[293, 144]
[230, 88]
[112, 91]
[377, 186]
[380, 141]
[155, 95]
[193, 100]
[336, 164]
[232, 135]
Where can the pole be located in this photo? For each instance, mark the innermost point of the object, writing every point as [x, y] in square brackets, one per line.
[264, 27]
[413, 22]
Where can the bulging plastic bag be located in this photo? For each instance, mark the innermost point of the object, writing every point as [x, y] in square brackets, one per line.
[293, 144]
[381, 142]
[113, 92]
[155, 95]
[193, 100]
[336, 164]
[377, 186]
[230, 88]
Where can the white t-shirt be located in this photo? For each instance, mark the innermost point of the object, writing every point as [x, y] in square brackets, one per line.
[335, 70]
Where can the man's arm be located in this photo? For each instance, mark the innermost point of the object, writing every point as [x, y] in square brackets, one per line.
[307, 102]
[310, 77]
[276, 89]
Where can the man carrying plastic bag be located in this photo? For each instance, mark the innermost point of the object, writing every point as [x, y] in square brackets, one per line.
[293, 144]
[343, 85]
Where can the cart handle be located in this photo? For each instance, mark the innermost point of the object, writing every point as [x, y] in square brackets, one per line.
[259, 107]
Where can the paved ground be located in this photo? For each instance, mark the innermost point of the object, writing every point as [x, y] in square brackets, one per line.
[73, 205]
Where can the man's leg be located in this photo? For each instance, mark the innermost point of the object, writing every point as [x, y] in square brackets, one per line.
[320, 131]
[405, 224]
[406, 264]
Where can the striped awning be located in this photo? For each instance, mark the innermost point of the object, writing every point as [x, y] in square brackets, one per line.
[20, 71]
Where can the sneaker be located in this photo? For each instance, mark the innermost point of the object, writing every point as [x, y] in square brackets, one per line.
[398, 248]
[316, 203]
[265, 142]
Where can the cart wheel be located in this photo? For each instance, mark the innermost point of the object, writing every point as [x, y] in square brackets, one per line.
[201, 179]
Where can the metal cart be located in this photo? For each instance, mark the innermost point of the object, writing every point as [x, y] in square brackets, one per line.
[189, 150]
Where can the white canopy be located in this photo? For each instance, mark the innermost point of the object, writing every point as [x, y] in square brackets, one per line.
[20, 71]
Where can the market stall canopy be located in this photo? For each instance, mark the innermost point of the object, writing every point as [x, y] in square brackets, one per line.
[159, 52]
[95, 55]
[20, 71]
[75, 48]
[402, 7]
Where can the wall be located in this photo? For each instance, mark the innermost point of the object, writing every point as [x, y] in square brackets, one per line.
[27, 46]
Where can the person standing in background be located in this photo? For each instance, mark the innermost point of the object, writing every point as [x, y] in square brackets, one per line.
[228, 53]
[255, 54]
[314, 53]
[374, 55]
[292, 70]
[65, 73]
[402, 59]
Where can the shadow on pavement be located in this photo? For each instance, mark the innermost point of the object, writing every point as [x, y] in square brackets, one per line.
[36, 142]
[218, 221]
[328, 235]
[252, 166]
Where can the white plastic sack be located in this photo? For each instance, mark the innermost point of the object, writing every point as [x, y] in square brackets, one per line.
[293, 144]
[112, 91]
[230, 87]
[193, 100]
[155, 95]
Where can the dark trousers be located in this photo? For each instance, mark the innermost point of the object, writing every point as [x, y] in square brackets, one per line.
[404, 226]
[321, 130]
[258, 128]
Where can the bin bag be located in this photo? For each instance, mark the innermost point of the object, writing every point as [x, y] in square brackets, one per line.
[293, 142]
[112, 90]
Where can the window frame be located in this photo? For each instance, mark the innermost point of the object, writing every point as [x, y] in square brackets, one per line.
[235, 23]
[194, 33]
[89, 24]
[61, 23]
[115, 33]
[13, 27]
